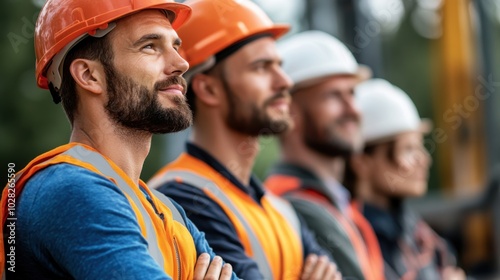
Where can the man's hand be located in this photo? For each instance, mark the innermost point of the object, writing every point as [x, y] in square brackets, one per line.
[317, 267]
[206, 270]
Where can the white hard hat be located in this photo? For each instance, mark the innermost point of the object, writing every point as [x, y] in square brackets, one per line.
[311, 55]
[386, 111]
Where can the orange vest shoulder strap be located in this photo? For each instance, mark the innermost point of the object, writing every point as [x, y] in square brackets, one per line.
[16, 186]
[280, 184]
[371, 241]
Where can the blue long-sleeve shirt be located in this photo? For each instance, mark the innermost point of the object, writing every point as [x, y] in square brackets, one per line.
[211, 219]
[75, 224]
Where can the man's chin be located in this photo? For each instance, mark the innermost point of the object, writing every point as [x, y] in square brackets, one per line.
[170, 129]
[279, 126]
[177, 120]
[173, 101]
[350, 143]
[332, 150]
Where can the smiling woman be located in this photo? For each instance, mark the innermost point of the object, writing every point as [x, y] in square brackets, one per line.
[394, 166]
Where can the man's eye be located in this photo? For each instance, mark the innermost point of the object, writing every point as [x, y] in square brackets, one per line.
[262, 66]
[332, 95]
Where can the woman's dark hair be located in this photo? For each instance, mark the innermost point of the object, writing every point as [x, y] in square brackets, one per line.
[350, 179]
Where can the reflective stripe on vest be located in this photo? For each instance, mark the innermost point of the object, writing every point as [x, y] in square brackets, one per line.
[176, 215]
[97, 160]
[286, 210]
[202, 183]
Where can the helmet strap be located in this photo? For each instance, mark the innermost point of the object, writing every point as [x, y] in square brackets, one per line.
[56, 97]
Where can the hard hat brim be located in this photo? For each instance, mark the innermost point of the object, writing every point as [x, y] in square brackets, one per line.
[182, 12]
[363, 73]
[278, 30]
[425, 127]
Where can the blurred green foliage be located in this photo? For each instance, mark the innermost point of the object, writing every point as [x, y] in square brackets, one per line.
[30, 123]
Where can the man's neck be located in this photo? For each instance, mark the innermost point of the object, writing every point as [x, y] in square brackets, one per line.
[233, 150]
[125, 147]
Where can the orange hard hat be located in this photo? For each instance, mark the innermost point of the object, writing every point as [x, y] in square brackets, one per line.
[62, 23]
[217, 24]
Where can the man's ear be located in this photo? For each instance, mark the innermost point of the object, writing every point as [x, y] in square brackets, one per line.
[207, 89]
[88, 74]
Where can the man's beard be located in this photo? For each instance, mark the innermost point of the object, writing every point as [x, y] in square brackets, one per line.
[134, 106]
[251, 120]
[326, 140]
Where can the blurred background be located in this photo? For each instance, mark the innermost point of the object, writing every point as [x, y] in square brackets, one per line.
[444, 53]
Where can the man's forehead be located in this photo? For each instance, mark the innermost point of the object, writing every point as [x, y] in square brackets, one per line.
[150, 16]
[264, 48]
[133, 27]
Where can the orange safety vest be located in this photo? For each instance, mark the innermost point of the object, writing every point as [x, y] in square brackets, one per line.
[269, 238]
[169, 241]
[357, 228]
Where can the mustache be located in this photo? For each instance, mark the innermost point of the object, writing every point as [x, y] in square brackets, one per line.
[174, 80]
[279, 95]
[349, 117]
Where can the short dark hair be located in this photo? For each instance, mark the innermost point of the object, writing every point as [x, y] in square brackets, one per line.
[219, 58]
[350, 179]
[92, 48]
[391, 150]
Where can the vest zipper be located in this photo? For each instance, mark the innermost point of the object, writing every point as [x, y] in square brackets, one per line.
[177, 258]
